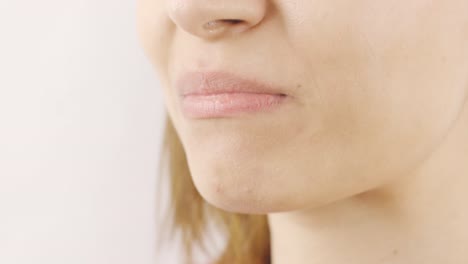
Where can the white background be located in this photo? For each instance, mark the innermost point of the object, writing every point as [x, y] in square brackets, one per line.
[81, 116]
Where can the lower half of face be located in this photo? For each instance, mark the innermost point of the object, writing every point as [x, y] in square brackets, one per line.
[372, 89]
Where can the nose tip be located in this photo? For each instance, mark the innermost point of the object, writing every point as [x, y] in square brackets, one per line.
[210, 19]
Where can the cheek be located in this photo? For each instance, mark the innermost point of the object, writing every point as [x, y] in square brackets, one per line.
[405, 63]
[154, 30]
[389, 79]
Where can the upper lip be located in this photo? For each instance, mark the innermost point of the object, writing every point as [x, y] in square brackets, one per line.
[216, 82]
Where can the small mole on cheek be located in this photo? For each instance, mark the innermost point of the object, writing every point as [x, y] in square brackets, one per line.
[218, 188]
[395, 252]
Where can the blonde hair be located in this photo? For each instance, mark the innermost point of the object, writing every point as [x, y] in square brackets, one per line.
[248, 238]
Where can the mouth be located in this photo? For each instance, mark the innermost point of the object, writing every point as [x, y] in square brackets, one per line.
[229, 104]
[220, 94]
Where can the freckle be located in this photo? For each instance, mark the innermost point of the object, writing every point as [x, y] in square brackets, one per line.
[299, 85]
[395, 252]
[218, 188]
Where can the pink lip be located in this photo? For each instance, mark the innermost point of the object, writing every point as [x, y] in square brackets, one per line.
[219, 94]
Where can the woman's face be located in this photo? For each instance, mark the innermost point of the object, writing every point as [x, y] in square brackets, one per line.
[372, 88]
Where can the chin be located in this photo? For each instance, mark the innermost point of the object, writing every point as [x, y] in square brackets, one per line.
[254, 186]
[225, 196]
[240, 194]
[232, 193]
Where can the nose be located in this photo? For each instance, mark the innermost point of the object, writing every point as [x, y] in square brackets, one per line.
[210, 19]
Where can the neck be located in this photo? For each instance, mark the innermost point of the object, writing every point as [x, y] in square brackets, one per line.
[419, 218]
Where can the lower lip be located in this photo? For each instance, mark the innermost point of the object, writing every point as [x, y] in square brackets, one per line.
[229, 104]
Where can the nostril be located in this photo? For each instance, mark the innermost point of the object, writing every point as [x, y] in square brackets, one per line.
[218, 24]
[232, 21]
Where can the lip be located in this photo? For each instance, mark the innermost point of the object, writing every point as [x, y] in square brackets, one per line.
[221, 94]
[216, 82]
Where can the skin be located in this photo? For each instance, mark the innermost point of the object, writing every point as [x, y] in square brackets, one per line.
[367, 161]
